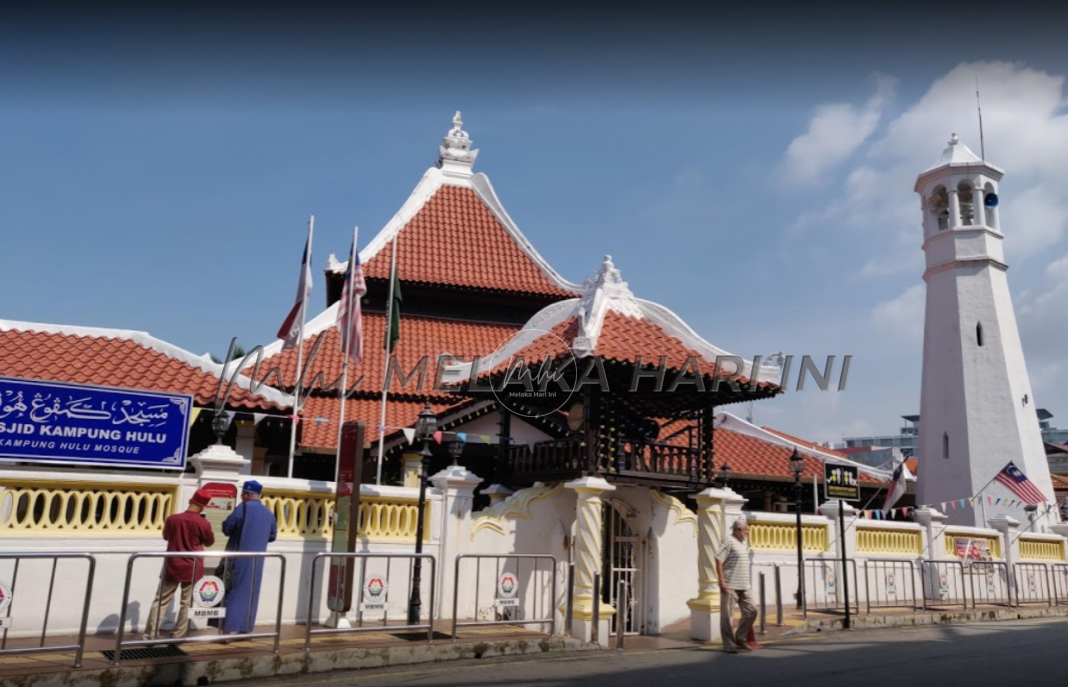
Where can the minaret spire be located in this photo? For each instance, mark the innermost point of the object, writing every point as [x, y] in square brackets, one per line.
[455, 155]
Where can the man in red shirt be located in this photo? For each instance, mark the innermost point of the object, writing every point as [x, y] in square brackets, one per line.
[188, 531]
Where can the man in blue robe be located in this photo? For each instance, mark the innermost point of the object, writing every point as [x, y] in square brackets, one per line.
[250, 528]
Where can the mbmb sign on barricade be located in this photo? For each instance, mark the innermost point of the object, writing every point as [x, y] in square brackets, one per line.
[208, 593]
[508, 591]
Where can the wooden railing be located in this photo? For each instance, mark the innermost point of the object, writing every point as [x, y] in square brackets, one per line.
[565, 458]
[30, 507]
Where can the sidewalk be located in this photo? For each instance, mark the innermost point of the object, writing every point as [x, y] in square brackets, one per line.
[201, 663]
[207, 663]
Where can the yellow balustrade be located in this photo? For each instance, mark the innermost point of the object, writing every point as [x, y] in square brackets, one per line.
[892, 542]
[991, 541]
[782, 536]
[49, 508]
[308, 515]
[1041, 550]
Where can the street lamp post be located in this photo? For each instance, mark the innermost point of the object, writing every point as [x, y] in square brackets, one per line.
[797, 465]
[424, 430]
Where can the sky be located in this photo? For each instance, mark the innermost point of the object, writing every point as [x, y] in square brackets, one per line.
[753, 173]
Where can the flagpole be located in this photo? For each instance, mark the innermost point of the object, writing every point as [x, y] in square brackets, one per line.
[385, 374]
[300, 355]
[345, 353]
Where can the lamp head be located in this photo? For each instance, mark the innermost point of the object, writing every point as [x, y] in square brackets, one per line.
[797, 463]
[219, 424]
[427, 424]
[456, 448]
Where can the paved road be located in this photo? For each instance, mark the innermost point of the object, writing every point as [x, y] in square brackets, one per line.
[993, 653]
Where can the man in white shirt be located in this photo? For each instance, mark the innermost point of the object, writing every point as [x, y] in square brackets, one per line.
[732, 569]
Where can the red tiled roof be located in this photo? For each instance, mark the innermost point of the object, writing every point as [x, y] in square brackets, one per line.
[622, 339]
[1060, 482]
[323, 435]
[115, 362]
[455, 240]
[912, 464]
[750, 457]
[419, 337]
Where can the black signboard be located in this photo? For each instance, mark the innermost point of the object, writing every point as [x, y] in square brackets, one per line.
[841, 482]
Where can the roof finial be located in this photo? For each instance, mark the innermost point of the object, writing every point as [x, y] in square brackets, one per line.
[953, 140]
[455, 155]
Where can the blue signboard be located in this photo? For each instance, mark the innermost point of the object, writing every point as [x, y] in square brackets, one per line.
[78, 424]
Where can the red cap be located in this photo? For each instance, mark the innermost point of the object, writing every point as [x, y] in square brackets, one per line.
[200, 498]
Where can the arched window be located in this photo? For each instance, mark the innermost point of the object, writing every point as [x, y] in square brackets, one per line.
[938, 206]
[945, 445]
[967, 204]
[979, 333]
[990, 202]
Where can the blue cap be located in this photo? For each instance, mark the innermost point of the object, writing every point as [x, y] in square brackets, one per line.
[253, 487]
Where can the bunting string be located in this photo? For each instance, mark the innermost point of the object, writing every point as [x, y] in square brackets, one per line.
[950, 506]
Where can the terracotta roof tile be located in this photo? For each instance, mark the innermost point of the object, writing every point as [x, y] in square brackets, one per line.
[114, 362]
[419, 337]
[622, 339]
[750, 457]
[455, 240]
[316, 434]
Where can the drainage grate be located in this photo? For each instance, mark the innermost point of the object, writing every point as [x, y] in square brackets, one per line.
[141, 654]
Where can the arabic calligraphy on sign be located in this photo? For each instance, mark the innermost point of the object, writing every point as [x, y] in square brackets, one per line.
[92, 425]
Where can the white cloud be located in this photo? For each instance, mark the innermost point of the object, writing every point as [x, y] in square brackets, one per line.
[901, 319]
[835, 133]
[1025, 127]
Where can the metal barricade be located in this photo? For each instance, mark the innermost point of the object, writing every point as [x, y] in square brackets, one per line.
[944, 584]
[763, 607]
[1033, 583]
[778, 596]
[380, 583]
[1058, 575]
[256, 557]
[6, 622]
[570, 605]
[543, 612]
[823, 590]
[894, 583]
[989, 583]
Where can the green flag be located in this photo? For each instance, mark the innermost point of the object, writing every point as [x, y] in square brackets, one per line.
[394, 317]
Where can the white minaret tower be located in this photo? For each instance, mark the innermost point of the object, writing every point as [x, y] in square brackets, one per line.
[977, 411]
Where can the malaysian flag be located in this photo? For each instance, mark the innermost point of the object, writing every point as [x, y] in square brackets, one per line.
[1018, 484]
[290, 331]
[351, 328]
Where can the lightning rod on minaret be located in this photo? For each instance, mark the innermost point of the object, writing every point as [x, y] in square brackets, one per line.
[982, 146]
